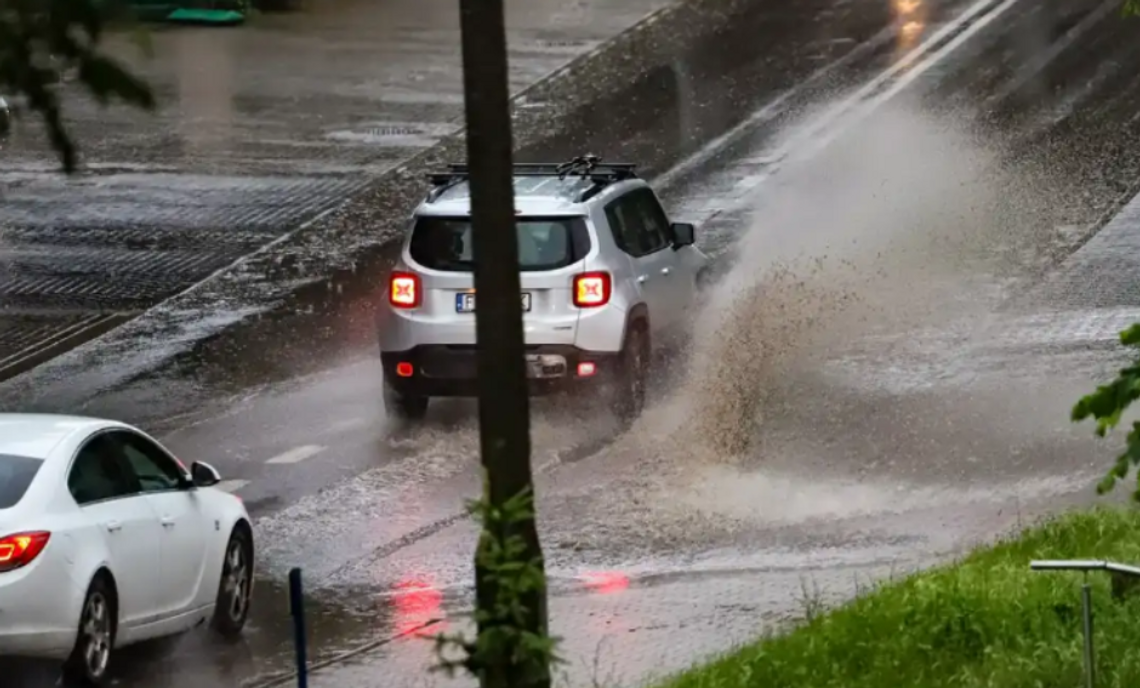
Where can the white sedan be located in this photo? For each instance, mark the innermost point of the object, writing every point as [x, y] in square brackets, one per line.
[106, 539]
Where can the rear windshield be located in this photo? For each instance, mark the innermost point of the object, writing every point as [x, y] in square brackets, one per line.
[16, 474]
[545, 243]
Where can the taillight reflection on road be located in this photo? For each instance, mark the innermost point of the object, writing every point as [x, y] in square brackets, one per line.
[416, 603]
[606, 581]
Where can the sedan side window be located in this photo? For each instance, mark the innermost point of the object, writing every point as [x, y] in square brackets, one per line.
[156, 471]
[97, 473]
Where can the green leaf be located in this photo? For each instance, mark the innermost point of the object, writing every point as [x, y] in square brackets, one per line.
[504, 644]
[1107, 405]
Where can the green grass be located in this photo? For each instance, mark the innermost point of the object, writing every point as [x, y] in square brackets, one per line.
[984, 621]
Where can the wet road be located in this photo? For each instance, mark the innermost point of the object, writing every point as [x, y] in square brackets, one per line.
[260, 129]
[885, 381]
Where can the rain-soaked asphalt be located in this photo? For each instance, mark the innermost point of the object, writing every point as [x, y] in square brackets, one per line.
[881, 377]
[260, 128]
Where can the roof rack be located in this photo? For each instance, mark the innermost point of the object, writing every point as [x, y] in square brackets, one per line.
[586, 166]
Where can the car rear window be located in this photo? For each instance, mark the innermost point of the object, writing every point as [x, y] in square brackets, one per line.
[16, 474]
[545, 243]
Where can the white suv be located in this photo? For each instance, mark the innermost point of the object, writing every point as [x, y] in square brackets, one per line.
[604, 275]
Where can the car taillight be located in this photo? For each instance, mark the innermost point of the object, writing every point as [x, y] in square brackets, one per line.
[404, 290]
[592, 289]
[21, 549]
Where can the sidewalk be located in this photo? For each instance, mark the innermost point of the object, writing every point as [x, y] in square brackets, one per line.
[1102, 274]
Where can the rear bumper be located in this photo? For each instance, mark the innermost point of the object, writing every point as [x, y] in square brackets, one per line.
[450, 370]
[39, 610]
[54, 644]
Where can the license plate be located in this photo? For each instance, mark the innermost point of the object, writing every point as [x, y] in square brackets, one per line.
[465, 302]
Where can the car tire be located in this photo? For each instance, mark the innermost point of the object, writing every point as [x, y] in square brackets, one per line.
[629, 394]
[235, 586]
[404, 407]
[90, 658]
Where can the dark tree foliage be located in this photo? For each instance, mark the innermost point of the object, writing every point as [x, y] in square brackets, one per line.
[41, 41]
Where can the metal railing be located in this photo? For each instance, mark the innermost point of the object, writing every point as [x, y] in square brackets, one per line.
[1085, 566]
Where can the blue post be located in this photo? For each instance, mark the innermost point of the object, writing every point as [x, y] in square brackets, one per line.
[297, 611]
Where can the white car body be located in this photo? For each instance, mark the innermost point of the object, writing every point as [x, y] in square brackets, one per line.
[616, 233]
[162, 548]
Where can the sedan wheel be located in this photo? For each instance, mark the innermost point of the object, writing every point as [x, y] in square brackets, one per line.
[96, 638]
[236, 586]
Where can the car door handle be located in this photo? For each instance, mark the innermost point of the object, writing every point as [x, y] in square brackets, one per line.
[666, 271]
[113, 526]
[167, 522]
[641, 279]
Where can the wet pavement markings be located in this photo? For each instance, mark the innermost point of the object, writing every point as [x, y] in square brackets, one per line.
[297, 455]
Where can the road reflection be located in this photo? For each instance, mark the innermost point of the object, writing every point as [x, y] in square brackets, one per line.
[606, 582]
[206, 87]
[911, 20]
[418, 607]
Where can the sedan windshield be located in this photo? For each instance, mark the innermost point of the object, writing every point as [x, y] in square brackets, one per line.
[16, 474]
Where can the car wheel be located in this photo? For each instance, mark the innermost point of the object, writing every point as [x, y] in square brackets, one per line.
[91, 656]
[629, 396]
[404, 406]
[235, 589]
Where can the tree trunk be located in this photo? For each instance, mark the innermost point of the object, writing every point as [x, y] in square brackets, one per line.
[504, 421]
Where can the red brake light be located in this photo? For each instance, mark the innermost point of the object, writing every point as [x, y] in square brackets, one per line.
[405, 369]
[592, 289]
[21, 549]
[404, 290]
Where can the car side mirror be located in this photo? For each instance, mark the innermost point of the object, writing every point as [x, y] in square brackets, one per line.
[684, 234]
[204, 475]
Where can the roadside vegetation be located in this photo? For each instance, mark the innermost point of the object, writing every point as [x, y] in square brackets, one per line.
[984, 621]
